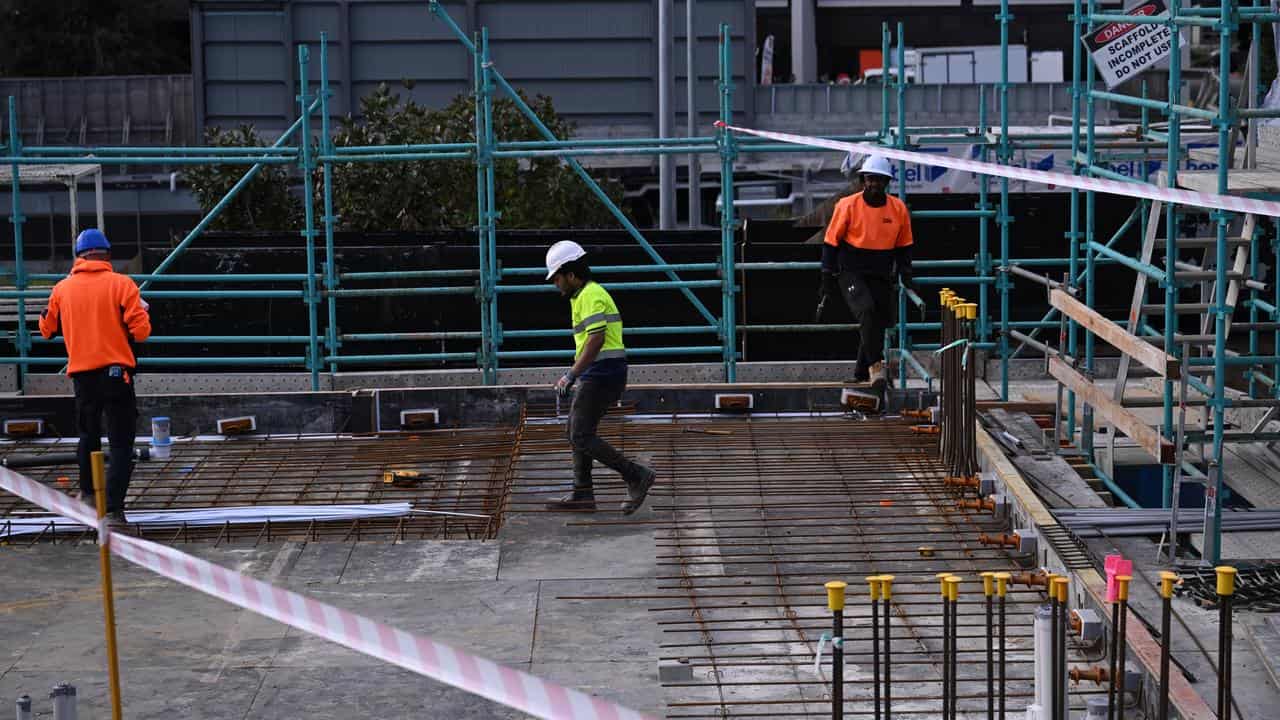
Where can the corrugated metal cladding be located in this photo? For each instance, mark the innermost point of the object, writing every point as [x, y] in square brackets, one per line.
[597, 59]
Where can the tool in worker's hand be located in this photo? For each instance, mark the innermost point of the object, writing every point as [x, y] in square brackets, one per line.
[822, 305]
[403, 479]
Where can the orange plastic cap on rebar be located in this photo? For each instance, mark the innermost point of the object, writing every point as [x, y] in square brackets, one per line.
[1167, 581]
[835, 594]
[1226, 580]
[1122, 587]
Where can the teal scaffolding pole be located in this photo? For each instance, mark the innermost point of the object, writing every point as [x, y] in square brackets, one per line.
[728, 225]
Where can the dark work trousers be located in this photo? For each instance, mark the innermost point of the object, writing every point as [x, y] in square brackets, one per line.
[98, 392]
[590, 402]
[870, 299]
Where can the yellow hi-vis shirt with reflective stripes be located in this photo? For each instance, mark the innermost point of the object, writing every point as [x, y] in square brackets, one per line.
[594, 312]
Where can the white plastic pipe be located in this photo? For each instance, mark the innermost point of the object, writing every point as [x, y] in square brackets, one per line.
[1043, 634]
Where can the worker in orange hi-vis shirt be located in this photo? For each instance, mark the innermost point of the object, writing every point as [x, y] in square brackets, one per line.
[867, 244]
[101, 314]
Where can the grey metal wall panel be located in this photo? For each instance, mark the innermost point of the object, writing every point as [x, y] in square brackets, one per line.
[596, 58]
[585, 59]
[571, 20]
[156, 109]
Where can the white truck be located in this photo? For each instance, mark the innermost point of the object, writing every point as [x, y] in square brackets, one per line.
[969, 65]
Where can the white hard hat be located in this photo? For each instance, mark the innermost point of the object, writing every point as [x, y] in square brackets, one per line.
[876, 165]
[562, 252]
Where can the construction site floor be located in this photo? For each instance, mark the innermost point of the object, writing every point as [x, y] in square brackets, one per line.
[721, 574]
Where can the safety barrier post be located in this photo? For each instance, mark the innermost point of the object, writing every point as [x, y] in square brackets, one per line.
[1226, 590]
[98, 468]
[835, 603]
[1167, 580]
[308, 206]
[988, 590]
[874, 582]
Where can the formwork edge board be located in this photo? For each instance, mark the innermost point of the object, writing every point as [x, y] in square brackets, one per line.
[1144, 352]
[1133, 426]
[1185, 701]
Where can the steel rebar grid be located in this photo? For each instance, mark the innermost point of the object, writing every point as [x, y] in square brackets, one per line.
[464, 471]
[754, 515]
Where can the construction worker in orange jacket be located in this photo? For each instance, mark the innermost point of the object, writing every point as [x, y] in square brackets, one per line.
[868, 243]
[101, 314]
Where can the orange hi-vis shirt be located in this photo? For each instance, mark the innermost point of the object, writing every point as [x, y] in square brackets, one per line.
[99, 311]
[859, 225]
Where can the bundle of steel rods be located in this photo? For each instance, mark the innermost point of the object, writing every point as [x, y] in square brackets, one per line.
[958, 437]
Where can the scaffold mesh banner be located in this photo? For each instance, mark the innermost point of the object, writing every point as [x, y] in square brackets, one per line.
[1137, 190]
[422, 655]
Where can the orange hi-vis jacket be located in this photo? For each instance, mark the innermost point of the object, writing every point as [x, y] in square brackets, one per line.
[99, 312]
[868, 239]
[870, 228]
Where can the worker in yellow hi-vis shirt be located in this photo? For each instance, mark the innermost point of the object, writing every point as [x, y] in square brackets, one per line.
[600, 373]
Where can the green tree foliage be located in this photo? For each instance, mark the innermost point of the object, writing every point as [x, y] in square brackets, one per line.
[43, 38]
[535, 193]
[265, 204]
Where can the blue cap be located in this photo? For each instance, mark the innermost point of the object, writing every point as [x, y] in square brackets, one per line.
[91, 239]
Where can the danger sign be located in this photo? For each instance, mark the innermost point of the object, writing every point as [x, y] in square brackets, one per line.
[1124, 50]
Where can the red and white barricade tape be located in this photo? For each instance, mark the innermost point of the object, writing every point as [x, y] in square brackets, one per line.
[1146, 191]
[422, 655]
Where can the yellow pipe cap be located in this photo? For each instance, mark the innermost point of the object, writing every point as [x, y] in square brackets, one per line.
[1122, 586]
[835, 594]
[1226, 579]
[874, 581]
[953, 588]
[1002, 583]
[988, 582]
[942, 583]
[886, 586]
[1167, 581]
[1060, 585]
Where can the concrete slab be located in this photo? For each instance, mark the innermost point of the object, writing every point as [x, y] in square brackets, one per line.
[422, 561]
[493, 619]
[571, 629]
[633, 684]
[147, 693]
[366, 691]
[539, 545]
[319, 564]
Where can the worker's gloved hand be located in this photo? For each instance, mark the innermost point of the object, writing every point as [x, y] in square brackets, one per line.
[905, 280]
[830, 284]
[564, 383]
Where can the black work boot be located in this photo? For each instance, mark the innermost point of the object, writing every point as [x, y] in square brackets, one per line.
[638, 488]
[573, 503]
[861, 374]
